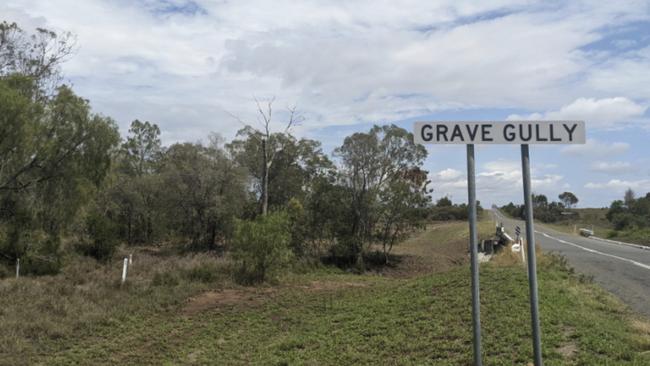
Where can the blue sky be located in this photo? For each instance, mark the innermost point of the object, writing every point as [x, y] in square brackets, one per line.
[190, 65]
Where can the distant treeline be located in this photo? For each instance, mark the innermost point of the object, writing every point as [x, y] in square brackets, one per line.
[544, 210]
[445, 210]
[71, 185]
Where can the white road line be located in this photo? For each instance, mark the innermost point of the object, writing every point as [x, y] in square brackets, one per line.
[639, 264]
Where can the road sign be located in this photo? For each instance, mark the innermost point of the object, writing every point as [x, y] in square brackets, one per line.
[500, 132]
[517, 231]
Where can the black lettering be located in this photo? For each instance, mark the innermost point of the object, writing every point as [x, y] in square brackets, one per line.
[553, 138]
[457, 133]
[472, 133]
[538, 134]
[485, 132]
[509, 136]
[426, 136]
[441, 130]
[570, 131]
[521, 132]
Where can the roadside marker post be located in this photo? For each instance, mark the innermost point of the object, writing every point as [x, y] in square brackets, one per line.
[501, 132]
[125, 266]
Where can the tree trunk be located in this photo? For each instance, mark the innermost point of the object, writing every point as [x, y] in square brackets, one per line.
[265, 179]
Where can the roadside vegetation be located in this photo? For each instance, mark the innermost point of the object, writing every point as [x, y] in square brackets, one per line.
[188, 310]
[626, 220]
[630, 218]
[71, 186]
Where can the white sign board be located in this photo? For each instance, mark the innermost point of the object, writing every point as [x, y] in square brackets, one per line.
[500, 132]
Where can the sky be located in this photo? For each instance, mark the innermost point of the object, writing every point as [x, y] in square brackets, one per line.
[191, 66]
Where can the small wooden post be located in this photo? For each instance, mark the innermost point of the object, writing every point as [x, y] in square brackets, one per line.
[17, 267]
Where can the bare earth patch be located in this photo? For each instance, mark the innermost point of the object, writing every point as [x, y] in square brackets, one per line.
[226, 297]
[254, 296]
[569, 349]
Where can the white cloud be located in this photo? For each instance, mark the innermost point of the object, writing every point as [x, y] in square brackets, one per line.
[339, 62]
[448, 175]
[500, 180]
[620, 185]
[615, 167]
[596, 148]
[605, 112]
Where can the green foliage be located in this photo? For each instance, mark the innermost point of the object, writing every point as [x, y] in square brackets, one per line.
[542, 209]
[100, 239]
[55, 154]
[380, 168]
[631, 218]
[261, 247]
[296, 164]
[568, 199]
[202, 193]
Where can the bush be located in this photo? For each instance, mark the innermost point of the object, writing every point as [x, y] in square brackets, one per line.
[261, 247]
[101, 238]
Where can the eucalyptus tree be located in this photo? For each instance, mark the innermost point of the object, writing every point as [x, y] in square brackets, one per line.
[372, 164]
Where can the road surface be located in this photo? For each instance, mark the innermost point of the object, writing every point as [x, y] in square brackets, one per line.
[622, 270]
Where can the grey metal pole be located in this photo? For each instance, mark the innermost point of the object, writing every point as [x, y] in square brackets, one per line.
[473, 249]
[532, 263]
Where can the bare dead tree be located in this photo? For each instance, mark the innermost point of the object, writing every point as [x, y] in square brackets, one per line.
[263, 135]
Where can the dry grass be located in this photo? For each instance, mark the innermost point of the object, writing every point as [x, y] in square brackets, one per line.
[38, 312]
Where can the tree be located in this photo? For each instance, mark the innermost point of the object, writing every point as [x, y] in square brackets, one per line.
[539, 200]
[402, 207]
[134, 189]
[370, 162]
[55, 154]
[629, 197]
[142, 148]
[568, 199]
[261, 247]
[444, 202]
[37, 56]
[202, 193]
[265, 146]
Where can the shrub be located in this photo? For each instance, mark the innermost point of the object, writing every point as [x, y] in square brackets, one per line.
[261, 247]
[100, 241]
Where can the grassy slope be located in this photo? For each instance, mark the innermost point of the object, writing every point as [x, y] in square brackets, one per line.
[330, 317]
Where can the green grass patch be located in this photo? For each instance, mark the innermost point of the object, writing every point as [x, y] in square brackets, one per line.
[323, 316]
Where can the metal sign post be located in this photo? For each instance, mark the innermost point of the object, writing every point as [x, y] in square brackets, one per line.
[501, 132]
[473, 249]
[532, 263]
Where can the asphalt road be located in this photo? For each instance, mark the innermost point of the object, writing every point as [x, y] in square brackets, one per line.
[622, 270]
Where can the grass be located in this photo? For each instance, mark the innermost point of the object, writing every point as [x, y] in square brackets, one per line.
[596, 218]
[638, 236]
[587, 218]
[326, 316]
